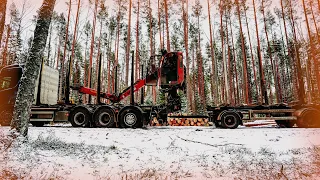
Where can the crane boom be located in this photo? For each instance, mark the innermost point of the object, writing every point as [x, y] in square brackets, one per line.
[170, 76]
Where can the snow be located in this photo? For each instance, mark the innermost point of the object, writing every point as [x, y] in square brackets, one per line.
[164, 152]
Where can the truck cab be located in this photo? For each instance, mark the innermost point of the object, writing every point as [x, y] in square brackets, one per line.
[44, 109]
[9, 82]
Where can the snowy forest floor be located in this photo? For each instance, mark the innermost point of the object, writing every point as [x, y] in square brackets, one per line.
[161, 153]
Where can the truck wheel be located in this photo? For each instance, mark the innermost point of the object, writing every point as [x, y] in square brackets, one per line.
[230, 120]
[104, 118]
[310, 118]
[37, 124]
[285, 124]
[80, 117]
[130, 118]
[6, 117]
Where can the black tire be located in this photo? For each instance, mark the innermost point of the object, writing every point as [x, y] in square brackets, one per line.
[37, 124]
[217, 125]
[285, 123]
[309, 119]
[130, 118]
[6, 117]
[104, 118]
[80, 117]
[230, 120]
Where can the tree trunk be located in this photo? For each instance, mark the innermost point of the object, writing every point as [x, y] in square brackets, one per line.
[109, 64]
[74, 36]
[200, 67]
[213, 63]
[313, 57]
[287, 41]
[25, 94]
[159, 24]
[62, 70]
[117, 46]
[269, 52]
[92, 46]
[236, 91]
[264, 94]
[128, 45]
[154, 94]
[251, 52]
[244, 56]
[301, 92]
[98, 59]
[194, 108]
[315, 22]
[137, 68]
[3, 7]
[186, 44]
[151, 28]
[231, 100]
[167, 24]
[225, 94]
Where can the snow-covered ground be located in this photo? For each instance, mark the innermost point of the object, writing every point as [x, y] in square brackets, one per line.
[162, 153]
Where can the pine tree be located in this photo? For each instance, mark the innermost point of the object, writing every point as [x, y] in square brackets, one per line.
[264, 95]
[312, 48]
[75, 32]
[167, 24]
[244, 59]
[197, 10]
[62, 70]
[92, 46]
[212, 56]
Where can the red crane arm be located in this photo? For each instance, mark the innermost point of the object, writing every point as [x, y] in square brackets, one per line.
[115, 99]
[137, 85]
[92, 92]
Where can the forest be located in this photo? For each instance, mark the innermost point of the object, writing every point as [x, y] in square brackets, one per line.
[235, 51]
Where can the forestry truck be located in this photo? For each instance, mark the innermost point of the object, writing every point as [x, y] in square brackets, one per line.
[45, 108]
[168, 74]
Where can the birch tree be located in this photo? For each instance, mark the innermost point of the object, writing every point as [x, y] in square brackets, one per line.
[25, 94]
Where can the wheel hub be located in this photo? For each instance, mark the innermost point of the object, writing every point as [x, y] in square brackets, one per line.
[79, 118]
[230, 120]
[130, 119]
[104, 118]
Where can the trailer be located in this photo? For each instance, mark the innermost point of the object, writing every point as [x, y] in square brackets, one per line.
[168, 75]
